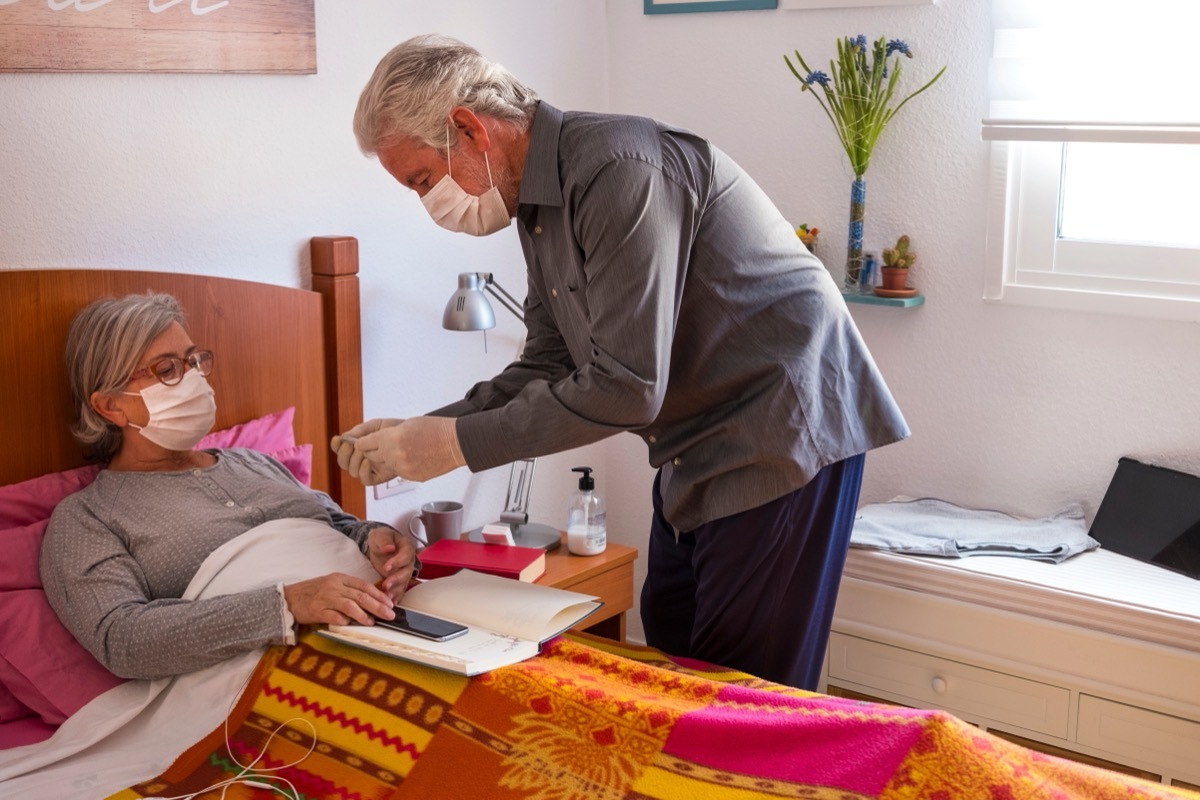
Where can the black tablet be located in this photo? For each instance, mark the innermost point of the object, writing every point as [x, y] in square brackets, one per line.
[1152, 514]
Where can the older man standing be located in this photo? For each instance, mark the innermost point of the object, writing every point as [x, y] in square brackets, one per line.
[668, 297]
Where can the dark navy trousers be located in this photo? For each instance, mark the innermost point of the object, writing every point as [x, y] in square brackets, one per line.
[755, 591]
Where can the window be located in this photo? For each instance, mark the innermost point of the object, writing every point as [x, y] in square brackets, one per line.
[1097, 227]
[1089, 214]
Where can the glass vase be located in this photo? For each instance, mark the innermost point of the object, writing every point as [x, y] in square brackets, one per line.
[854, 246]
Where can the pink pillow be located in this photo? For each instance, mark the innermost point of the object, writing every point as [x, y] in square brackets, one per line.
[266, 434]
[33, 500]
[21, 732]
[271, 434]
[10, 707]
[298, 460]
[22, 546]
[51, 672]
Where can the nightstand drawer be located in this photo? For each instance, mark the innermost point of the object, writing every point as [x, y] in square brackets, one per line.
[958, 688]
[1162, 739]
[614, 587]
[608, 576]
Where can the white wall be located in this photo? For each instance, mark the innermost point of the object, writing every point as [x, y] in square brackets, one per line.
[1017, 409]
[231, 174]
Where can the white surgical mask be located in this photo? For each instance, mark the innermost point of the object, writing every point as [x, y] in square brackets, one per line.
[456, 209]
[180, 415]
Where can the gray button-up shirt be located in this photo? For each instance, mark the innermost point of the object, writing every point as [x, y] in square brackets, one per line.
[669, 297]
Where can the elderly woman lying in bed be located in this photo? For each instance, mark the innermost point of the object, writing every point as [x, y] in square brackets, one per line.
[118, 555]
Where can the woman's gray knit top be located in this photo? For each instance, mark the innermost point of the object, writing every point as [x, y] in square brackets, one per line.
[118, 554]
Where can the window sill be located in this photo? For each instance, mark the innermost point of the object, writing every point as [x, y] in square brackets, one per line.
[1180, 309]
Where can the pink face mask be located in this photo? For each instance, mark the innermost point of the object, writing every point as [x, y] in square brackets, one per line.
[455, 209]
[180, 415]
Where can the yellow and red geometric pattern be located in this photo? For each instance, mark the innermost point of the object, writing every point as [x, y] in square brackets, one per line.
[590, 719]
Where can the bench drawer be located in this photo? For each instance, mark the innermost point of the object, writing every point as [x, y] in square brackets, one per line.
[959, 688]
[1173, 742]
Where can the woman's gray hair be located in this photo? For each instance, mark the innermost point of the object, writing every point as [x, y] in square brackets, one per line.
[106, 341]
[417, 84]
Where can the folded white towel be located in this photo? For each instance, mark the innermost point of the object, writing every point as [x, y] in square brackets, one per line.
[936, 527]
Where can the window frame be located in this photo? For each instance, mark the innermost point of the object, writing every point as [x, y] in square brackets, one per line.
[1027, 263]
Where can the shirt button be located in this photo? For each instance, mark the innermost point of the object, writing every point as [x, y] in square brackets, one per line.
[229, 503]
[554, 292]
[677, 461]
[196, 472]
[537, 228]
[651, 439]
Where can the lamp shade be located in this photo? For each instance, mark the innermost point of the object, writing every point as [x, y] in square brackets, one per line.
[469, 309]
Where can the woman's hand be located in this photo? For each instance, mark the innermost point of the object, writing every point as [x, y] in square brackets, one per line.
[392, 554]
[337, 599]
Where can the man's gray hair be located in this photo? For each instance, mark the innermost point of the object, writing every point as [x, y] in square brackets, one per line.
[106, 341]
[417, 84]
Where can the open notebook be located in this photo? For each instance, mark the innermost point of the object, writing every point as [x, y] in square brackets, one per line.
[507, 620]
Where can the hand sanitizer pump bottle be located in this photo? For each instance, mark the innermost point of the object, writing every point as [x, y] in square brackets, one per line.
[586, 531]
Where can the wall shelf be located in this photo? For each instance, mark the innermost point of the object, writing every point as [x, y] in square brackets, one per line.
[874, 300]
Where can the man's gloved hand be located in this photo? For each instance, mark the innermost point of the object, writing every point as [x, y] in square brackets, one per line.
[351, 459]
[416, 449]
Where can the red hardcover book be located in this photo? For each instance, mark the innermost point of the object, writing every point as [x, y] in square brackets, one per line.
[447, 556]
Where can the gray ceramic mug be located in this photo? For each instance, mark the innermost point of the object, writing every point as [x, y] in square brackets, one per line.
[441, 519]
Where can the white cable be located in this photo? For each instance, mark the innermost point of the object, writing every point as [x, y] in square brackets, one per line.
[291, 793]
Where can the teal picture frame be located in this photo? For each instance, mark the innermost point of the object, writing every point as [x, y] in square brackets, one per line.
[688, 6]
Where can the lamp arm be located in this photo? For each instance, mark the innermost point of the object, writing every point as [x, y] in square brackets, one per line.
[504, 298]
[520, 483]
[516, 512]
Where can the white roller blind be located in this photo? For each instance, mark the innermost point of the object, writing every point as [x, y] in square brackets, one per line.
[1095, 70]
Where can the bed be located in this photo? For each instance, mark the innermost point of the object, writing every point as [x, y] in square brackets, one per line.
[588, 718]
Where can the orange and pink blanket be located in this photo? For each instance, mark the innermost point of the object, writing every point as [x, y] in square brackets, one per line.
[592, 719]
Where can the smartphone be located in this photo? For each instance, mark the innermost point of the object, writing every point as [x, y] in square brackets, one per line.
[438, 630]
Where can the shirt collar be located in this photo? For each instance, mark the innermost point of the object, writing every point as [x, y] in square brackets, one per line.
[540, 184]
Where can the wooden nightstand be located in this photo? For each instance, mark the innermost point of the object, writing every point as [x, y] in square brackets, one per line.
[608, 576]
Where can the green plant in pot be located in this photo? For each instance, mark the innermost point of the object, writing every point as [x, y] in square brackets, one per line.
[896, 262]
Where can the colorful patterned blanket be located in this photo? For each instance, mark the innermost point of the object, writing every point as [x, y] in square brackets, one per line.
[592, 719]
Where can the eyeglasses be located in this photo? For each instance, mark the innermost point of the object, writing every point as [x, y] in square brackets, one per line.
[170, 370]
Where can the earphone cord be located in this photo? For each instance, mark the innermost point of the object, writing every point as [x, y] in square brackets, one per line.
[248, 775]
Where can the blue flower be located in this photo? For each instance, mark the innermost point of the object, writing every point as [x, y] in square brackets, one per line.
[858, 92]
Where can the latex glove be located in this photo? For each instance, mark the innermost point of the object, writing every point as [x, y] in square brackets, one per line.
[348, 457]
[393, 554]
[337, 599]
[417, 449]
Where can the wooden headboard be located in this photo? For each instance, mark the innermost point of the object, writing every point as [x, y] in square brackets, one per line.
[275, 346]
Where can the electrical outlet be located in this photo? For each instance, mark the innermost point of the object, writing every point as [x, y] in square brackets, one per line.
[393, 487]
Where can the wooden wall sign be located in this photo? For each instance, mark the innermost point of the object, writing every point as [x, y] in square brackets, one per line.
[271, 36]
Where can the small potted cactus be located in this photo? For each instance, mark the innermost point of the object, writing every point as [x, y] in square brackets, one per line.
[896, 261]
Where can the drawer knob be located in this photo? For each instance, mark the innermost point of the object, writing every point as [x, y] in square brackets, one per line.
[939, 685]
